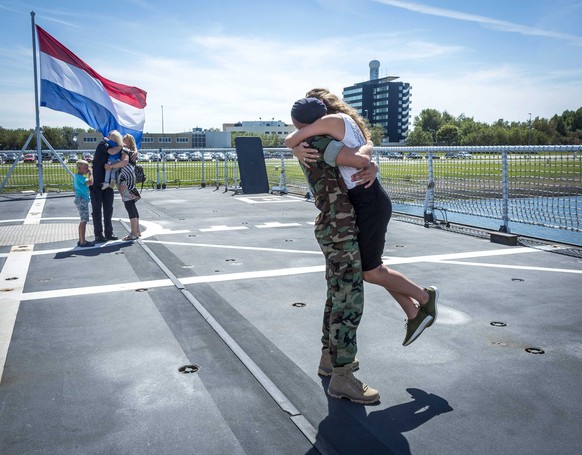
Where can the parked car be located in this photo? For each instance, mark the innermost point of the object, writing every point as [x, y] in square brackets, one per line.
[170, 157]
[72, 158]
[414, 156]
[394, 155]
[30, 158]
[207, 156]
[54, 158]
[143, 157]
[182, 157]
[88, 157]
[10, 157]
[196, 156]
[459, 155]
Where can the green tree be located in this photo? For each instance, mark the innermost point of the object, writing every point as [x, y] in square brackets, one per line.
[448, 134]
[377, 134]
[419, 137]
[236, 134]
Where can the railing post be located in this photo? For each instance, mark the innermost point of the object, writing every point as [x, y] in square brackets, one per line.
[203, 183]
[225, 171]
[158, 184]
[429, 195]
[505, 197]
[216, 171]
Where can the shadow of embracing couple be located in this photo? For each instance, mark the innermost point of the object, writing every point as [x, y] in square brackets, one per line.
[349, 428]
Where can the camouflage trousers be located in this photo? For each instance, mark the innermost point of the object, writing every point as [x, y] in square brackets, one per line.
[345, 299]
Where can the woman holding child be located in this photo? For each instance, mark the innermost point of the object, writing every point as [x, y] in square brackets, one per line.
[126, 182]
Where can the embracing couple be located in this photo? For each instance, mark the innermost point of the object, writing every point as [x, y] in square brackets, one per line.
[333, 146]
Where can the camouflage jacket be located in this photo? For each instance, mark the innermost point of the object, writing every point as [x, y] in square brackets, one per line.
[337, 220]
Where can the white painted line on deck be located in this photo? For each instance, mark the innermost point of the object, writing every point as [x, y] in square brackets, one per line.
[35, 213]
[235, 247]
[276, 224]
[223, 228]
[267, 199]
[101, 289]
[12, 279]
[261, 274]
[517, 267]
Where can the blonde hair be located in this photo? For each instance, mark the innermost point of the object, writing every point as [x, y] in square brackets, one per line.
[116, 136]
[335, 105]
[84, 163]
[132, 145]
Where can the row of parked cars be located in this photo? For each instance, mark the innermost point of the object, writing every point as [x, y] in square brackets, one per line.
[392, 155]
[70, 157]
[185, 156]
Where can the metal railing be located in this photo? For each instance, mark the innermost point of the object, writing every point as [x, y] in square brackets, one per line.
[537, 185]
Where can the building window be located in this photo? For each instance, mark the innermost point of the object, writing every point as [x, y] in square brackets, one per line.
[182, 140]
[89, 139]
[165, 140]
[148, 140]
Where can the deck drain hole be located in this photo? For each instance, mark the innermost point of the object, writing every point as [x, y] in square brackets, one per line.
[119, 252]
[12, 278]
[499, 343]
[517, 279]
[43, 280]
[498, 324]
[288, 240]
[299, 304]
[230, 260]
[141, 290]
[398, 246]
[6, 289]
[187, 369]
[192, 235]
[535, 350]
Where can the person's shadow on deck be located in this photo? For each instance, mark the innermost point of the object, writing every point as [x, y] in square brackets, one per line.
[93, 251]
[349, 429]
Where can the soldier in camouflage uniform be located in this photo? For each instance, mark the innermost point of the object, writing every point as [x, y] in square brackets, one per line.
[336, 233]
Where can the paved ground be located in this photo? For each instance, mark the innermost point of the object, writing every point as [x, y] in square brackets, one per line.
[92, 340]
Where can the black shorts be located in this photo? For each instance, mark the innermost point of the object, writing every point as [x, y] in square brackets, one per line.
[373, 211]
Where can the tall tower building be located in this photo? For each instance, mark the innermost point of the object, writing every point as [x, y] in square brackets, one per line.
[383, 102]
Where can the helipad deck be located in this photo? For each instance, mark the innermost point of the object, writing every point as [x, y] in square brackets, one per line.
[92, 340]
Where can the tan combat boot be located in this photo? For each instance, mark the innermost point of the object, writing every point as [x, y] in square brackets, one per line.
[326, 367]
[343, 384]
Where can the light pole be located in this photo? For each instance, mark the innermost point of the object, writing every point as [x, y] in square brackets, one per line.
[162, 120]
[529, 130]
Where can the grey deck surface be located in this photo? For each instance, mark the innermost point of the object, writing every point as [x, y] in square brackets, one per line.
[99, 336]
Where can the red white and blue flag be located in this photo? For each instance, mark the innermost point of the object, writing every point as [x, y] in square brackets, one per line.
[69, 85]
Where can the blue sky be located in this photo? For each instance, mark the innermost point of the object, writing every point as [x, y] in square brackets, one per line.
[215, 62]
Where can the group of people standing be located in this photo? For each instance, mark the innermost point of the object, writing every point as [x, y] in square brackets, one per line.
[115, 155]
[334, 148]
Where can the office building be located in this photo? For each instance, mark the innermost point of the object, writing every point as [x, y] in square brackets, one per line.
[383, 102]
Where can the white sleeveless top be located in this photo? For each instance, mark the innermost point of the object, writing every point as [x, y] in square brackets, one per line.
[353, 137]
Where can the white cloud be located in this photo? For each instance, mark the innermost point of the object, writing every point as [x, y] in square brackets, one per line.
[496, 24]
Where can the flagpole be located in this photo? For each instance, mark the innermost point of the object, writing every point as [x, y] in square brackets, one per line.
[36, 105]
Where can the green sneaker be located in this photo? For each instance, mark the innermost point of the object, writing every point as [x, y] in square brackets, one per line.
[431, 306]
[414, 327]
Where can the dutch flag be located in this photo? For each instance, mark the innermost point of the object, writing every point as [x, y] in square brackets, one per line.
[69, 85]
